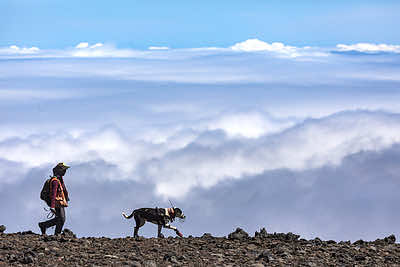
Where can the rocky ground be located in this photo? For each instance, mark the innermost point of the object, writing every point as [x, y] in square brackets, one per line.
[238, 249]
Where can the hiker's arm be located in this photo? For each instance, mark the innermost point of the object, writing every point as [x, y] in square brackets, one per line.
[65, 193]
[54, 187]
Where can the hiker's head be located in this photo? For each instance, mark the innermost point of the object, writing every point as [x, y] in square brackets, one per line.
[60, 169]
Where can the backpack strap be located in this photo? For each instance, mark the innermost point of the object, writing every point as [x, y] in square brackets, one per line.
[51, 183]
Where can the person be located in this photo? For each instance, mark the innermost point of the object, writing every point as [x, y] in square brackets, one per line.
[59, 200]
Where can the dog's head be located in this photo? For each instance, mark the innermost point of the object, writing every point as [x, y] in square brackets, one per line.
[179, 213]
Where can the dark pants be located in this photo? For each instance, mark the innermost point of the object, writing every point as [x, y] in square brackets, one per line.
[58, 221]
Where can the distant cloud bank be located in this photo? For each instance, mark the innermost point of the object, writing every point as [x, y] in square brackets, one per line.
[15, 50]
[84, 49]
[370, 48]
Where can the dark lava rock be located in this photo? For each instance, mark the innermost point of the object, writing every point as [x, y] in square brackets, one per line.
[317, 241]
[385, 241]
[17, 249]
[68, 233]
[27, 259]
[238, 234]
[359, 242]
[135, 264]
[206, 235]
[171, 257]
[265, 256]
[390, 239]
[359, 257]
[27, 233]
[49, 238]
[262, 234]
[285, 237]
[2, 228]
[150, 263]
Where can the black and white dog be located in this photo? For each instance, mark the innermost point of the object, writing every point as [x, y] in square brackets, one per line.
[159, 216]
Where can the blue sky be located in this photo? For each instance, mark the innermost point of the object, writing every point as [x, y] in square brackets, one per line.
[178, 24]
[289, 113]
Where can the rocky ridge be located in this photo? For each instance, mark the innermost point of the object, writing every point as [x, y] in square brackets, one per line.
[238, 249]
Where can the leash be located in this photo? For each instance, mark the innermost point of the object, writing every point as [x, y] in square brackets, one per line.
[50, 214]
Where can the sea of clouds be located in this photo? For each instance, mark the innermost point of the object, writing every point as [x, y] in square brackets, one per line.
[253, 135]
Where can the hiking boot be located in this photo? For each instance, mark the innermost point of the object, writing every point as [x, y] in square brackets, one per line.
[42, 228]
[160, 236]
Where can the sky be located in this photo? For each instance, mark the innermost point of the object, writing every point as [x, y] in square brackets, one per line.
[244, 114]
[188, 24]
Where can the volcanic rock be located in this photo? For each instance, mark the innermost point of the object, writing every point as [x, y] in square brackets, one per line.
[289, 237]
[238, 234]
[265, 256]
[278, 249]
[387, 240]
[206, 235]
[262, 234]
[68, 233]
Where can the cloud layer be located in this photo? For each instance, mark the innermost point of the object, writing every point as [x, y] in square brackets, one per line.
[278, 49]
[354, 200]
[210, 153]
[213, 129]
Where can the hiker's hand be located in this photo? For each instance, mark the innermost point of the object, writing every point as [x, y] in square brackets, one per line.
[53, 210]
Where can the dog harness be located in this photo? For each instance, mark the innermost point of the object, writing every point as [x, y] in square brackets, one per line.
[169, 212]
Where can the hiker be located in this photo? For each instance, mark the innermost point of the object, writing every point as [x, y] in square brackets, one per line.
[58, 200]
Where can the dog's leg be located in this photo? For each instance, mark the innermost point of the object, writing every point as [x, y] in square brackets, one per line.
[135, 232]
[139, 223]
[173, 228]
[160, 235]
[167, 225]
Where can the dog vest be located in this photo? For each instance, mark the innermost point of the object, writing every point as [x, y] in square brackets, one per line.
[168, 213]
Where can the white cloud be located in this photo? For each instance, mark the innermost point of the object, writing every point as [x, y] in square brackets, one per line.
[255, 45]
[248, 125]
[279, 49]
[15, 50]
[305, 146]
[97, 45]
[82, 45]
[369, 48]
[158, 48]
[184, 159]
[85, 49]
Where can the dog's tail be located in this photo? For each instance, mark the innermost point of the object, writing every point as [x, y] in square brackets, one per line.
[128, 217]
